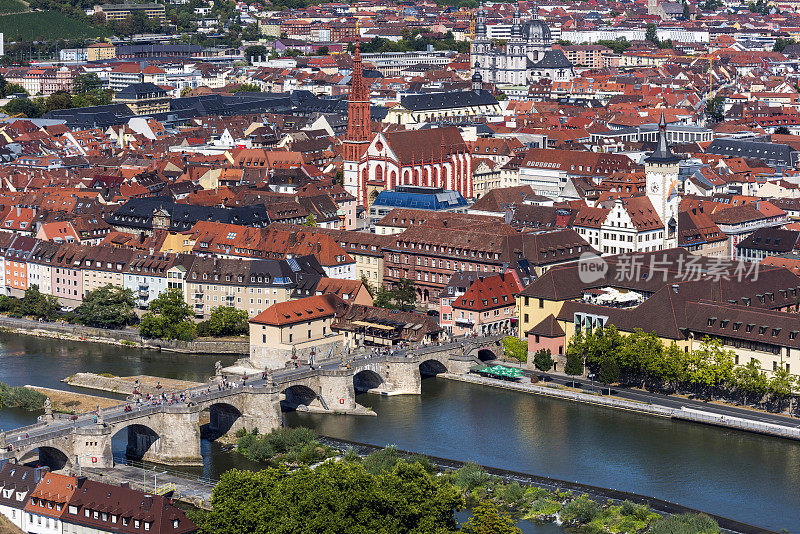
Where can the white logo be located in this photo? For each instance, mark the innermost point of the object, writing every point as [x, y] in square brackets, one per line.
[591, 267]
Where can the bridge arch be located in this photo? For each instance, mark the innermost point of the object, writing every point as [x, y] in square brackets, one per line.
[366, 380]
[140, 439]
[222, 417]
[431, 368]
[297, 395]
[485, 354]
[45, 455]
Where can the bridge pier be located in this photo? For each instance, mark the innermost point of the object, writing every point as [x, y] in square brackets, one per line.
[258, 410]
[335, 390]
[169, 437]
[92, 447]
[402, 377]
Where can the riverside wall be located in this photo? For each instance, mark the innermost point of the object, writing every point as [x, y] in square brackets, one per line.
[684, 414]
[127, 337]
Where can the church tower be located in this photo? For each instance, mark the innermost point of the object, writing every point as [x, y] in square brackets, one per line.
[661, 172]
[359, 133]
[516, 52]
[479, 48]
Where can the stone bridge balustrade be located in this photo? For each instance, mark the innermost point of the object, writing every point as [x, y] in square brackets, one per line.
[171, 433]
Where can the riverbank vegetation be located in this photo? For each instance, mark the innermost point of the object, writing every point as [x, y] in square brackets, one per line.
[21, 397]
[33, 304]
[168, 317]
[388, 492]
[107, 307]
[642, 360]
[296, 446]
[224, 321]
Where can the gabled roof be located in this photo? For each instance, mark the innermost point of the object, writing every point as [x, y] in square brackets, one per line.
[301, 310]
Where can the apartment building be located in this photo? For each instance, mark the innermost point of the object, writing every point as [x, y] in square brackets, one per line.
[249, 285]
[116, 12]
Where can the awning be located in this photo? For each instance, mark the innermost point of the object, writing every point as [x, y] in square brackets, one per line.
[500, 371]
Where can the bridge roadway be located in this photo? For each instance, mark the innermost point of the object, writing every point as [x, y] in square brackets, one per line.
[169, 432]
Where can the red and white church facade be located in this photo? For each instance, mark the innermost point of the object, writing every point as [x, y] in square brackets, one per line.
[429, 157]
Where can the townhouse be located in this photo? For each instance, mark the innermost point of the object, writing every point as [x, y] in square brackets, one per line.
[104, 266]
[40, 502]
[149, 275]
[296, 329]
[429, 256]
[16, 265]
[17, 483]
[563, 301]
[487, 307]
[249, 285]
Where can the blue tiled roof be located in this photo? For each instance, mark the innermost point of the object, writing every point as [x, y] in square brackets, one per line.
[421, 198]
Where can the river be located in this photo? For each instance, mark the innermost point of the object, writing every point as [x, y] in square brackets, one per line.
[747, 477]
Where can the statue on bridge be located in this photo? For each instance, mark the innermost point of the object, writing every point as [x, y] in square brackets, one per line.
[48, 408]
[218, 368]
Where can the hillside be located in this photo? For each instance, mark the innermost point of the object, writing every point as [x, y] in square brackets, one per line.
[45, 25]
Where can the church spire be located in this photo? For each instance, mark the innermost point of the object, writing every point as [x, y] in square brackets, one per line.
[662, 154]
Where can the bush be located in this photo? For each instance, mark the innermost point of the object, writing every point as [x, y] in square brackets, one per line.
[581, 510]
[685, 524]
[293, 444]
[639, 512]
[224, 321]
[381, 461]
[515, 348]
[20, 397]
[469, 477]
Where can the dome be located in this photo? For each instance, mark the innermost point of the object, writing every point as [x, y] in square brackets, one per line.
[477, 78]
[536, 30]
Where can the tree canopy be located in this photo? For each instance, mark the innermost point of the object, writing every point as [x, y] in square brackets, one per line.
[168, 317]
[339, 497]
[401, 297]
[224, 321]
[107, 307]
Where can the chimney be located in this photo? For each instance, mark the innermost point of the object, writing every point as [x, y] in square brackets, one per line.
[147, 502]
[39, 472]
[80, 481]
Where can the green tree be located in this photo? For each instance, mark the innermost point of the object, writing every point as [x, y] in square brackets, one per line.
[781, 44]
[323, 50]
[574, 356]
[516, 348]
[750, 382]
[169, 317]
[23, 106]
[87, 83]
[543, 360]
[780, 387]
[311, 221]
[340, 497]
[715, 109]
[487, 519]
[58, 100]
[107, 307]
[224, 321]
[247, 88]
[651, 33]
[609, 372]
[685, 524]
[37, 304]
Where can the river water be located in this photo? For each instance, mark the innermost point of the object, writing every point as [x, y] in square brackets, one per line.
[751, 478]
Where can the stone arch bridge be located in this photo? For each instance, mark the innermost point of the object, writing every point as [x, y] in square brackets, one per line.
[170, 433]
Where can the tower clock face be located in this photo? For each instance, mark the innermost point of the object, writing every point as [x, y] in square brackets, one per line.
[655, 187]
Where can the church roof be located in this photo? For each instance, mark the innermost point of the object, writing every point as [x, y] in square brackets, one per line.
[455, 99]
[553, 59]
[426, 145]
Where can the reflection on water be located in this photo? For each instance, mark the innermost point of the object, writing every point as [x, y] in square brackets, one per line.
[748, 477]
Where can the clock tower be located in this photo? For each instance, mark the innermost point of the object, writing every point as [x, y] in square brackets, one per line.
[661, 171]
